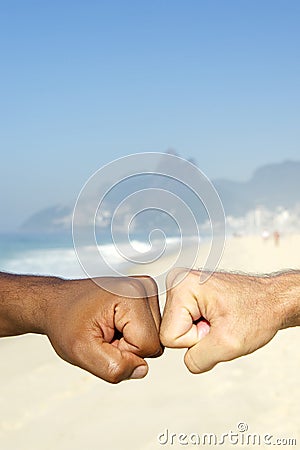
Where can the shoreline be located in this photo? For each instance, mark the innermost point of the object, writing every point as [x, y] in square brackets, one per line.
[250, 254]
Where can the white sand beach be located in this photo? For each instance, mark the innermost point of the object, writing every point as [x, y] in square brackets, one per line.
[46, 404]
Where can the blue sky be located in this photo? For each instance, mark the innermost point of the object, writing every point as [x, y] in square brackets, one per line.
[85, 82]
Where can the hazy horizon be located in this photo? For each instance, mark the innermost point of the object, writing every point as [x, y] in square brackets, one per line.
[70, 203]
[84, 84]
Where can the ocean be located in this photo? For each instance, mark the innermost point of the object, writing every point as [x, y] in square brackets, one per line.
[55, 254]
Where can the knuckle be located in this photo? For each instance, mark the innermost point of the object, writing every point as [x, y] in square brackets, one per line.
[191, 364]
[134, 288]
[115, 373]
[197, 366]
[176, 276]
[149, 344]
[153, 347]
[171, 276]
[159, 352]
[151, 285]
[166, 338]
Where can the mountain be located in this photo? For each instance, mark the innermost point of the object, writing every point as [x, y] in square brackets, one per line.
[271, 186]
[56, 218]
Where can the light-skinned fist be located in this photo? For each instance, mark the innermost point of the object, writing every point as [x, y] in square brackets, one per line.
[227, 316]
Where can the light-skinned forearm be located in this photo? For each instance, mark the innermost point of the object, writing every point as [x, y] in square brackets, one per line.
[285, 289]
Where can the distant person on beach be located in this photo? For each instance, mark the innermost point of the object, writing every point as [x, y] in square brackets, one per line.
[276, 237]
[106, 334]
[228, 316]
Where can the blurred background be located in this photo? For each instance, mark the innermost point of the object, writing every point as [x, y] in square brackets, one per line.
[84, 83]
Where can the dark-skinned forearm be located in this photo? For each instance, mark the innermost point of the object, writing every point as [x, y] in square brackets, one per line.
[24, 302]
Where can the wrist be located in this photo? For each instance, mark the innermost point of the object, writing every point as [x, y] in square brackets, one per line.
[286, 292]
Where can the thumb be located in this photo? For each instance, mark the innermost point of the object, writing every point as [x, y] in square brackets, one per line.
[209, 351]
[108, 362]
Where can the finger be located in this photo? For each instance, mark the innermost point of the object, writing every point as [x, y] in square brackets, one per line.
[110, 363]
[208, 352]
[153, 301]
[180, 323]
[152, 295]
[140, 334]
[134, 319]
[178, 329]
[175, 276]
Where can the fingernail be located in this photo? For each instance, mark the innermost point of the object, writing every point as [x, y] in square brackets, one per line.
[203, 329]
[139, 372]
